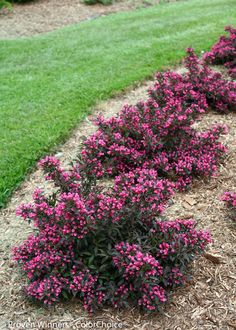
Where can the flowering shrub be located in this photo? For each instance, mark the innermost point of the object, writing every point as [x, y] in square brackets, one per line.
[230, 200]
[105, 246]
[220, 93]
[224, 52]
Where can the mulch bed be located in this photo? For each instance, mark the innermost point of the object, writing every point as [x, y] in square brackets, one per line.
[206, 302]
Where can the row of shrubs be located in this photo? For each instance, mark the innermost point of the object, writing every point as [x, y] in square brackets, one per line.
[158, 133]
[111, 244]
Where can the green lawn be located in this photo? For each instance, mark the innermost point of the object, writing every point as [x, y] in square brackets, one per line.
[49, 83]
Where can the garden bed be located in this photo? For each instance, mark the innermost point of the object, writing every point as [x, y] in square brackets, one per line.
[156, 146]
[207, 302]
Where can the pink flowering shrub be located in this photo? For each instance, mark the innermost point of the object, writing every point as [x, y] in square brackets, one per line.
[230, 200]
[105, 246]
[224, 52]
[209, 88]
[220, 93]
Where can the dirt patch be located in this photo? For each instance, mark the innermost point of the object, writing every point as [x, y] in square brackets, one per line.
[207, 302]
[47, 15]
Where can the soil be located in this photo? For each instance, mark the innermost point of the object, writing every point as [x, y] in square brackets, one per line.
[46, 15]
[207, 302]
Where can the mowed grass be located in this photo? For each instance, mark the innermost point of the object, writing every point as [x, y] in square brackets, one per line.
[49, 83]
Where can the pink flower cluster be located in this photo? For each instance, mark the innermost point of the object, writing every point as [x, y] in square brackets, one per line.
[139, 195]
[151, 296]
[46, 290]
[69, 216]
[86, 284]
[143, 273]
[177, 243]
[181, 235]
[224, 52]
[230, 199]
[134, 263]
[44, 253]
[144, 192]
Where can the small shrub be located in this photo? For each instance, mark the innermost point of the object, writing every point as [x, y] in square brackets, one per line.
[230, 200]
[224, 52]
[220, 93]
[106, 247]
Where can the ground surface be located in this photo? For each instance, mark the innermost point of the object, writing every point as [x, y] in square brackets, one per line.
[47, 15]
[208, 302]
